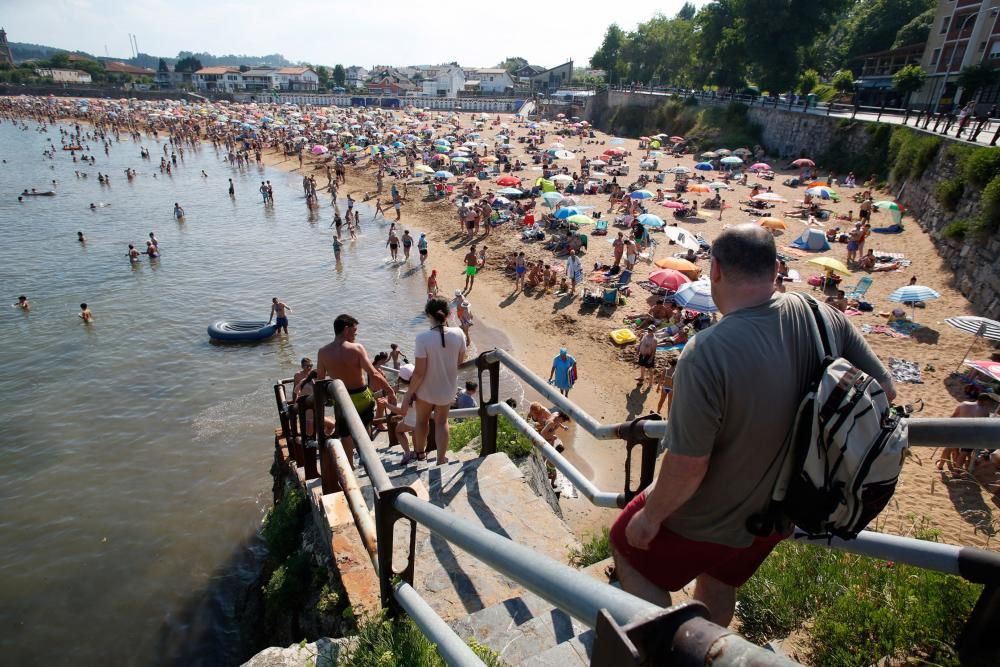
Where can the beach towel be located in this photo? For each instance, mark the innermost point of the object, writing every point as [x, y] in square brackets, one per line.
[796, 252]
[892, 229]
[670, 348]
[905, 371]
[904, 327]
[881, 329]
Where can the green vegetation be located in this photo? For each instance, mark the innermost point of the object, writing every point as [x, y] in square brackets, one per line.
[385, 642]
[329, 600]
[510, 441]
[593, 550]
[285, 591]
[861, 609]
[949, 193]
[956, 230]
[702, 127]
[283, 525]
[908, 80]
[910, 153]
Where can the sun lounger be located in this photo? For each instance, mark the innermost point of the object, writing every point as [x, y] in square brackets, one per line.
[858, 291]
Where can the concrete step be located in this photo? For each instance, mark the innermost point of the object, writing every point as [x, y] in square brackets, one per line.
[524, 628]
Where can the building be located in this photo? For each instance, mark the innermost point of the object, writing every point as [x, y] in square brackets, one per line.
[261, 78]
[964, 32]
[389, 81]
[443, 81]
[874, 85]
[130, 71]
[354, 76]
[551, 79]
[172, 79]
[527, 71]
[66, 75]
[224, 79]
[6, 57]
[491, 80]
[297, 79]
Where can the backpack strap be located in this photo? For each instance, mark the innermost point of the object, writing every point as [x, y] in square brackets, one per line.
[822, 334]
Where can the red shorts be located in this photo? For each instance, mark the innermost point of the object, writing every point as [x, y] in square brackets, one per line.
[672, 561]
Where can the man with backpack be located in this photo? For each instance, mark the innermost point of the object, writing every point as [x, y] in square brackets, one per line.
[739, 385]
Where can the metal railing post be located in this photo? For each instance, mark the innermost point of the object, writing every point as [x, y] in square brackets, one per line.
[996, 135]
[488, 419]
[282, 403]
[634, 436]
[386, 516]
[881, 109]
[854, 111]
[304, 404]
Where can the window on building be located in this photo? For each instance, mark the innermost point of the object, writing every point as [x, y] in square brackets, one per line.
[995, 51]
[935, 56]
[945, 24]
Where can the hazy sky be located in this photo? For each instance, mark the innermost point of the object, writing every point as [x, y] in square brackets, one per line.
[359, 32]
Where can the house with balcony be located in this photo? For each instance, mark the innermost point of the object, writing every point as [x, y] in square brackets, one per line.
[297, 79]
[443, 81]
[354, 76]
[258, 79]
[218, 79]
[491, 80]
[874, 84]
[551, 79]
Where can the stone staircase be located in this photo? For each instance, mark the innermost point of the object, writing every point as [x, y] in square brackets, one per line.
[478, 602]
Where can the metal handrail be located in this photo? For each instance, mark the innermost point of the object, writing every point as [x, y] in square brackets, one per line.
[451, 647]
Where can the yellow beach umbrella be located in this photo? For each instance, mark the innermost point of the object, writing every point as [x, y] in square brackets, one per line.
[832, 264]
[676, 263]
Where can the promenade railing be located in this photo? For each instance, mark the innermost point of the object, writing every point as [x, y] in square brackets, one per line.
[629, 631]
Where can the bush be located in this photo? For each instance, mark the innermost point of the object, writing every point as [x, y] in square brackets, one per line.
[510, 441]
[384, 642]
[910, 153]
[862, 609]
[955, 230]
[980, 165]
[286, 589]
[283, 525]
[595, 549]
[989, 217]
[949, 193]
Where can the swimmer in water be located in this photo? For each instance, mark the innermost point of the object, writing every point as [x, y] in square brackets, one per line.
[178, 211]
[93, 205]
[151, 250]
[133, 254]
[336, 247]
[85, 313]
[23, 303]
[152, 239]
[232, 188]
[80, 237]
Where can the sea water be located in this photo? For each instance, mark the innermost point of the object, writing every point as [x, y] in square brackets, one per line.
[135, 451]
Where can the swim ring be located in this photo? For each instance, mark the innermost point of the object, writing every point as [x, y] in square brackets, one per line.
[240, 331]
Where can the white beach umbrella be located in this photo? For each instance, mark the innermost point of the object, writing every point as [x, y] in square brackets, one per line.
[696, 296]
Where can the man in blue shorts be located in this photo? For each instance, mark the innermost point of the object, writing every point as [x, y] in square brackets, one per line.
[278, 314]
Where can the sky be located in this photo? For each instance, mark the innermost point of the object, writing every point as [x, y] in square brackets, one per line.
[356, 32]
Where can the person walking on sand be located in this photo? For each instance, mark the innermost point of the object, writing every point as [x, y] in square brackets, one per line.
[232, 188]
[519, 270]
[563, 371]
[471, 267]
[647, 356]
[574, 271]
[432, 284]
[667, 386]
[422, 248]
[378, 209]
[407, 242]
[279, 312]
[439, 352]
[393, 244]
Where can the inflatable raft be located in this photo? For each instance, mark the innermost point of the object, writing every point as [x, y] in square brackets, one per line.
[47, 193]
[240, 331]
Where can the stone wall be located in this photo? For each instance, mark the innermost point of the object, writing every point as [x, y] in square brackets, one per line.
[93, 92]
[794, 134]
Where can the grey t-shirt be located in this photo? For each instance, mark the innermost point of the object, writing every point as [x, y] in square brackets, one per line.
[736, 389]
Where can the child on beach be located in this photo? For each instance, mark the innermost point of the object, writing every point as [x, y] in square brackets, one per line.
[408, 423]
[666, 385]
[395, 355]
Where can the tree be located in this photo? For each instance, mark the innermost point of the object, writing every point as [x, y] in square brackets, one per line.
[868, 26]
[339, 75]
[188, 64]
[324, 76]
[244, 68]
[908, 80]
[162, 67]
[916, 31]
[843, 81]
[687, 12]
[974, 78]
[512, 64]
[608, 55]
[808, 80]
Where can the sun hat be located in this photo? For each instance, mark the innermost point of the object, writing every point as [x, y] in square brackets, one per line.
[406, 372]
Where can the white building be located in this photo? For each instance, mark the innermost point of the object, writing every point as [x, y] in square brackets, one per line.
[492, 80]
[354, 76]
[443, 81]
[65, 75]
[225, 79]
[260, 78]
[297, 79]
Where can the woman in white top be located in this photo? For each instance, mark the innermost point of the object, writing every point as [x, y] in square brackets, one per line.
[439, 352]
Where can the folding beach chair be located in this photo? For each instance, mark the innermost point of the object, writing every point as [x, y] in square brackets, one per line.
[859, 290]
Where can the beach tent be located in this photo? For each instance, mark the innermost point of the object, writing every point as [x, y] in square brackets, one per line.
[812, 239]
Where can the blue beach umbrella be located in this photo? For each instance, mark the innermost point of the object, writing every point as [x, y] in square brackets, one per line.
[566, 212]
[443, 174]
[696, 296]
[617, 141]
[704, 166]
[650, 220]
[912, 293]
[551, 199]
[642, 194]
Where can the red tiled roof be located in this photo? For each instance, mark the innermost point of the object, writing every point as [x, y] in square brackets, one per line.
[293, 70]
[218, 70]
[121, 68]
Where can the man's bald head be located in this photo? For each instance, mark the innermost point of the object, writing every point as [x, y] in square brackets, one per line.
[746, 253]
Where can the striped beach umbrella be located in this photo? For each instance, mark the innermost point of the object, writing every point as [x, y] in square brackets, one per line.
[913, 293]
[696, 296]
[642, 194]
[980, 327]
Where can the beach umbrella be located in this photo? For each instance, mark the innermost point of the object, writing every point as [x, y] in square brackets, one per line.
[444, 174]
[650, 220]
[423, 169]
[671, 279]
[682, 237]
[704, 166]
[709, 154]
[832, 264]
[699, 187]
[614, 151]
[545, 184]
[566, 212]
[580, 219]
[723, 151]
[742, 151]
[563, 155]
[895, 210]
[598, 163]
[562, 178]
[460, 160]
[760, 166]
[472, 180]
[769, 196]
[509, 181]
[489, 159]
[677, 263]
[696, 296]
[551, 199]
[501, 200]
[718, 185]
[773, 223]
[804, 162]
[319, 150]
[676, 140]
[642, 194]
[731, 160]
[822, 192]
[680, 170]
[981, 327]
[513, 192]
[913, 293]
[617, 141]
[655, 144]
[986, 367]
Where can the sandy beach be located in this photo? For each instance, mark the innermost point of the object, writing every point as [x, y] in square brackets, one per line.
[960, 505]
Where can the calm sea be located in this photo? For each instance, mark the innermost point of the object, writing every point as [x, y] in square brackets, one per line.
[135, 452]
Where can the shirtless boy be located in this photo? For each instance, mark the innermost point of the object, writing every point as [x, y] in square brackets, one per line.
[345, 360]
[278, 314]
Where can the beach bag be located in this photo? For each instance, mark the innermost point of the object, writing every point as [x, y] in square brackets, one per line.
[845, 452]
